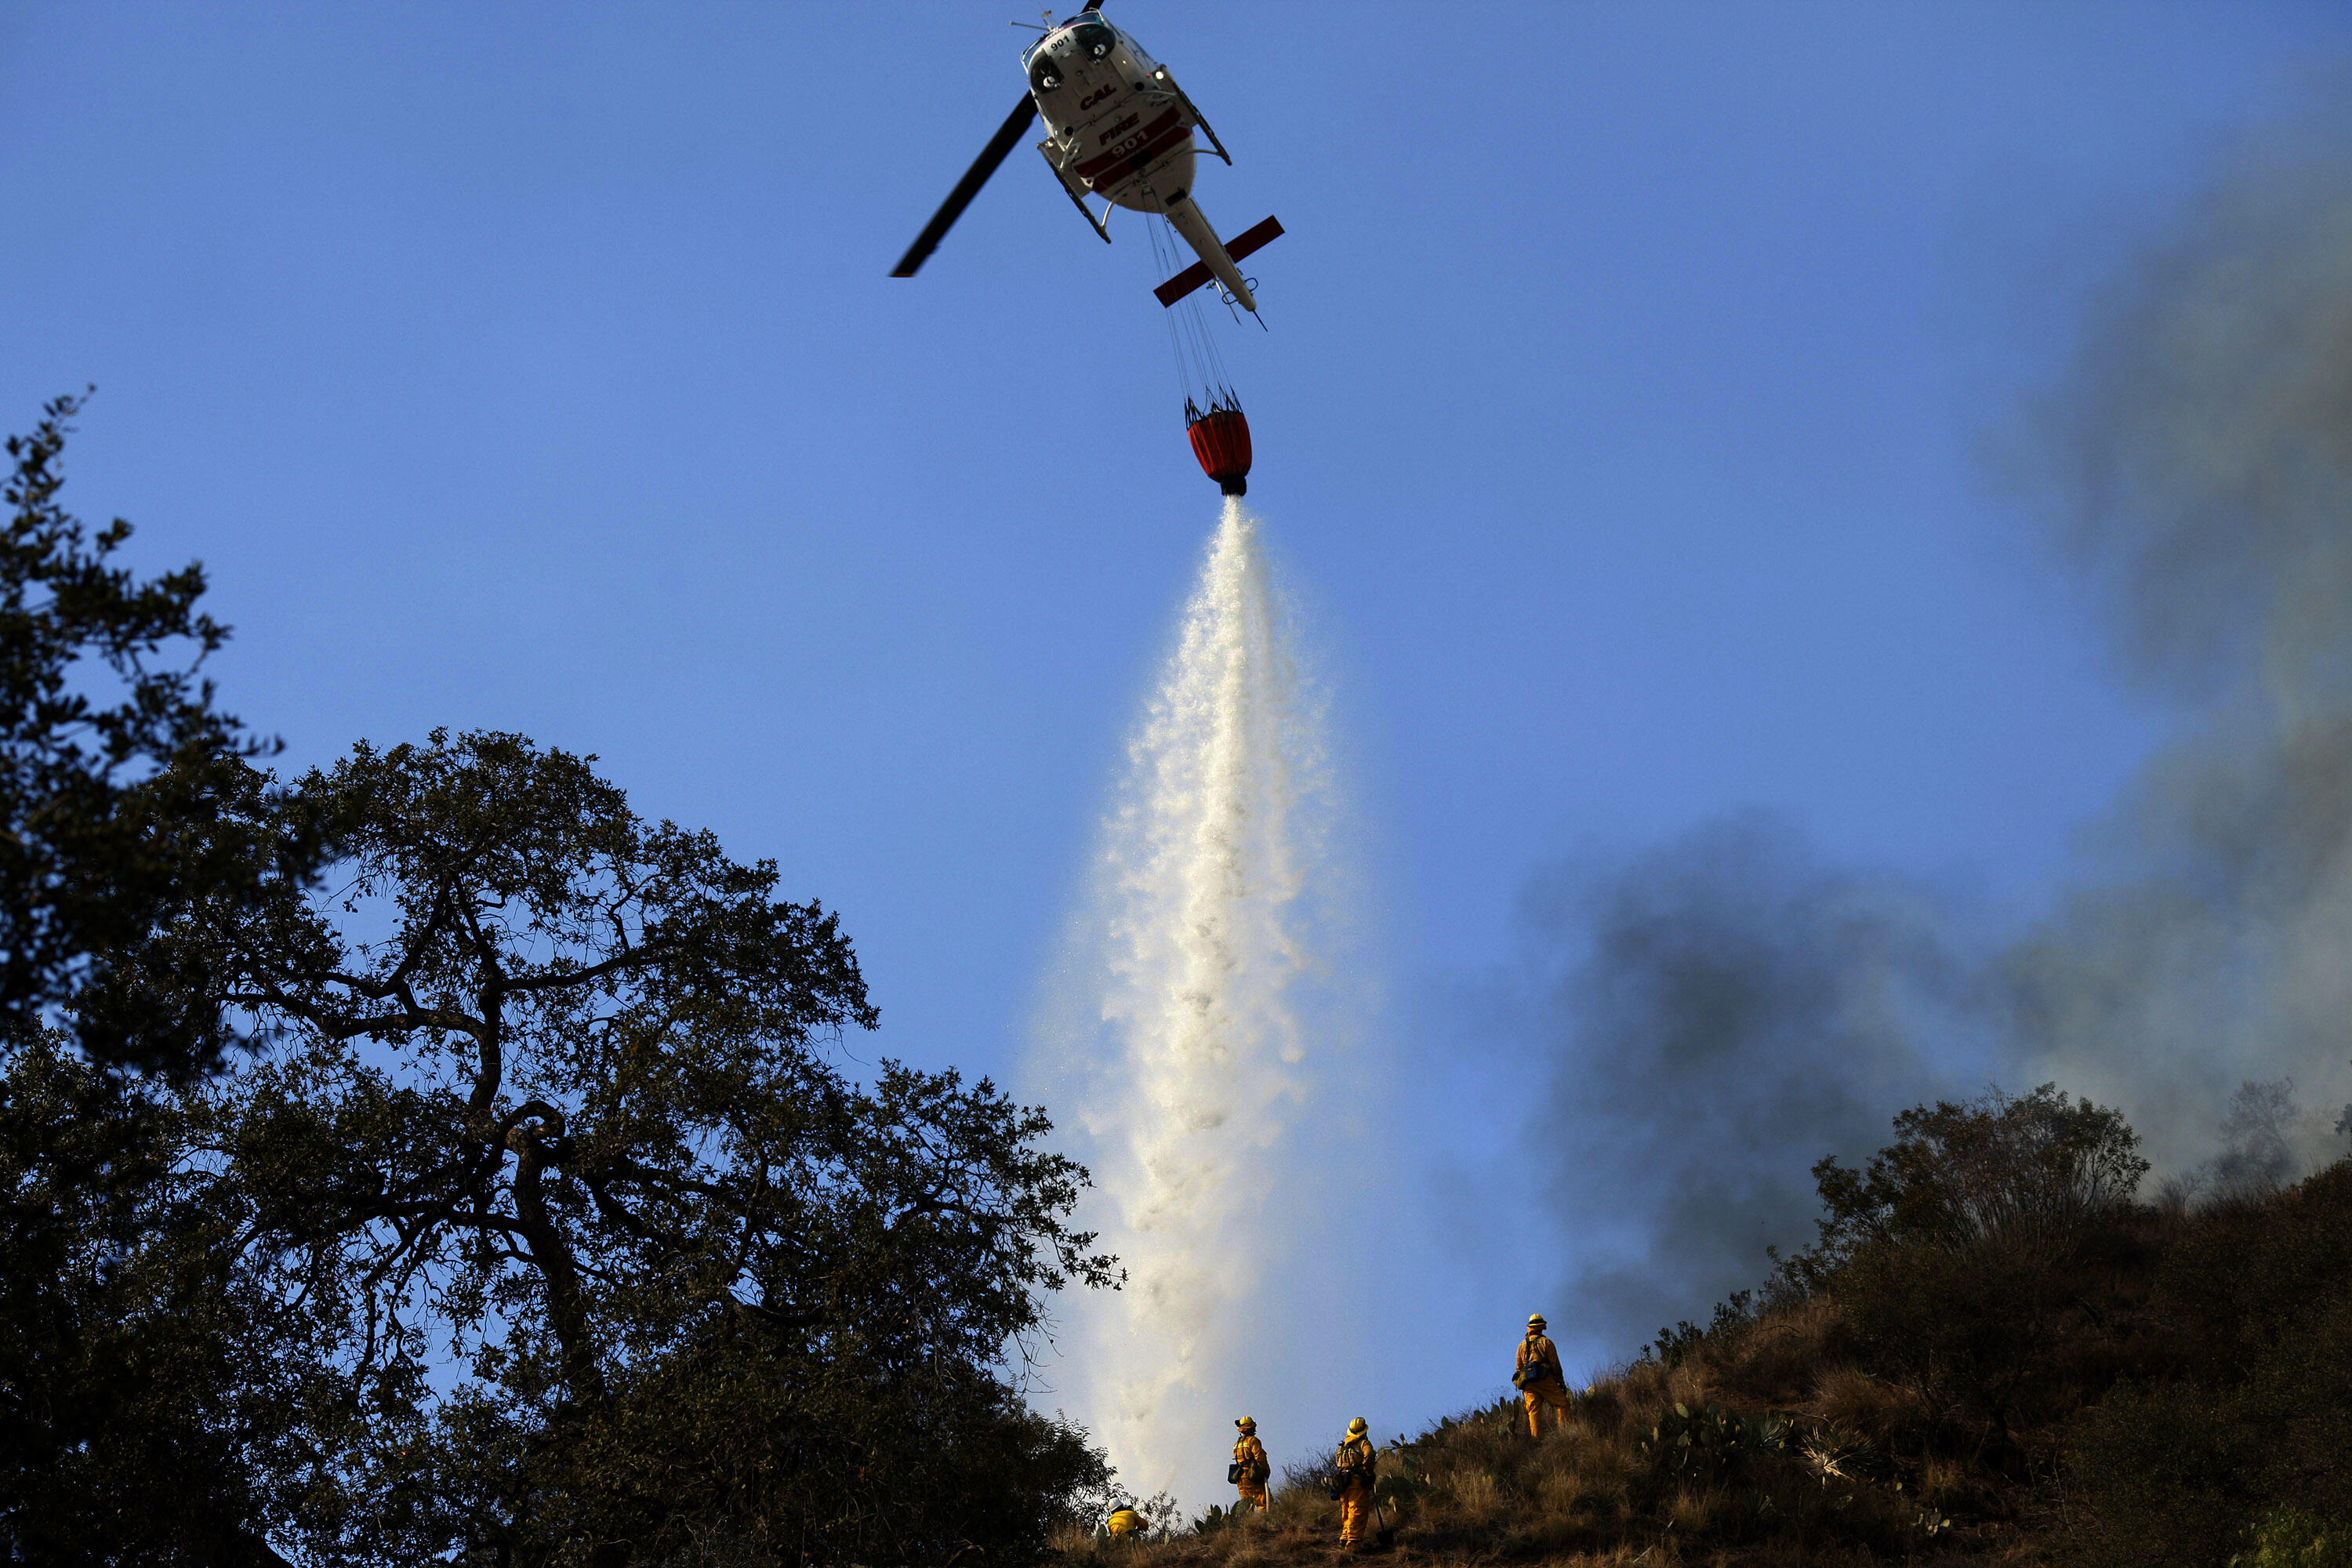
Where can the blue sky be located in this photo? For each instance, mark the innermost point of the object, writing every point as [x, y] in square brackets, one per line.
[1623, 414]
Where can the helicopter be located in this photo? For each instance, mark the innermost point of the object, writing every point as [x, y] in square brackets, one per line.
[1118, 127]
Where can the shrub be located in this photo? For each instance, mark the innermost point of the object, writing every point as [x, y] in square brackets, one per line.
[2253, 1412]
[1712, 1441]
[2290, 1537]
[1960, 1254]
[1998, 1169]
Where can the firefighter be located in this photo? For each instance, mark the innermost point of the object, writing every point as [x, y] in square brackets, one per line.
[1354, 1464]
[1125, 1520]
[1539, 1379]
[1249, 1468]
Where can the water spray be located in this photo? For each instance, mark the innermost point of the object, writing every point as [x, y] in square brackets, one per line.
[1196, 1004]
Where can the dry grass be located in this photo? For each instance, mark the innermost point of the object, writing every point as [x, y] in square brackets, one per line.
[1874, 1470]
[1476, 1489]
[1959, 1414]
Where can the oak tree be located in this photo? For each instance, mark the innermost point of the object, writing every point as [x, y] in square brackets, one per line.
[135, 1384]
[560, 1101]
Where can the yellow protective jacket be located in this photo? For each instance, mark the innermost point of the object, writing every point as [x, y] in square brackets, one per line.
[1355, 1461]
[1250, 1455]
[1539, 1363]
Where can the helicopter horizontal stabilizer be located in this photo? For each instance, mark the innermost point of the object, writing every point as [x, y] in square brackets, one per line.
[1243, 244]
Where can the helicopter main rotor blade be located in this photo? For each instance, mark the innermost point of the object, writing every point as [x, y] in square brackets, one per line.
[1015, 124]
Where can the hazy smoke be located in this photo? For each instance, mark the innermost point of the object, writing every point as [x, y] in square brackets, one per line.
[1193, 1028]
[1724, 1011]
[2205, 467]
[2257, 1139]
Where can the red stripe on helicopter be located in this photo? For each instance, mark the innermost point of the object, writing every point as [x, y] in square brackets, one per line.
[1249, 242]
[1156, 138]
[1142, 158]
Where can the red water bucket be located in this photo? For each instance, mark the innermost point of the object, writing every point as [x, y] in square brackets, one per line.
[1221, 440]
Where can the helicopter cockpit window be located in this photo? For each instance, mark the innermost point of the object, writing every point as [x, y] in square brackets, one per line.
[1095, 41]
[1046, 72]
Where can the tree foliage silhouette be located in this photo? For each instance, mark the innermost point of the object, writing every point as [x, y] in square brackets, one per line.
[113, 765]
[542, 1218]
[134, 1381]
[559, 1098]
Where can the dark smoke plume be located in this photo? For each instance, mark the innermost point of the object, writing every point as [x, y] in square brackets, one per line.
[2203, 460]
[1724, 1011]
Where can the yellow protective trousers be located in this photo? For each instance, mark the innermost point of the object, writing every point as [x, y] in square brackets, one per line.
[1536, 1396]
[1253, 1494]
[1356, 1515]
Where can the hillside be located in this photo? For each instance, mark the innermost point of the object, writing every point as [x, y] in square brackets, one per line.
[1995, 1355]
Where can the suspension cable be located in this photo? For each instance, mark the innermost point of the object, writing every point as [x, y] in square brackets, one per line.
[1200, 368]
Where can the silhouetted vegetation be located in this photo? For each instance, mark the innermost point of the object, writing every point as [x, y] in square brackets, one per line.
[550, 1101]
[113, 762]
[139, 1381]
[538, 1222]
[1994, 1352]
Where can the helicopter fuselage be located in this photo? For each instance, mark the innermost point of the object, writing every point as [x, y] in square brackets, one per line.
[1119, 128]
